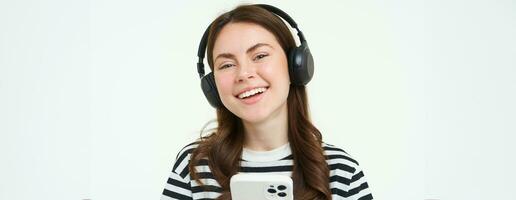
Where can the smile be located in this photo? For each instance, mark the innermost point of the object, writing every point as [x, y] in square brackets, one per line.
[253, 95]
[251, 92]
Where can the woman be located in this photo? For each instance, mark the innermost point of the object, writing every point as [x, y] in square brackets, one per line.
[262, 114]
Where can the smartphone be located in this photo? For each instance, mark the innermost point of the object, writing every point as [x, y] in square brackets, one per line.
[257, 186]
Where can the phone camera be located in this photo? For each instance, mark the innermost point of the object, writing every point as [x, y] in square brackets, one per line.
[282, 187]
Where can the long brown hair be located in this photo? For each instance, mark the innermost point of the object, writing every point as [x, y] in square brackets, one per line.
[223, 147]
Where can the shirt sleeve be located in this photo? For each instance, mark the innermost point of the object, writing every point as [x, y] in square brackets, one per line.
[176, 188]
[358, 187]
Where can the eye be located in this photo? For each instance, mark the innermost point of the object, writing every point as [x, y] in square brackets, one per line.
[225, 66]
[260, 56]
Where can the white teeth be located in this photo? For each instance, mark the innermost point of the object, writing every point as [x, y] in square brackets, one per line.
[251, 92]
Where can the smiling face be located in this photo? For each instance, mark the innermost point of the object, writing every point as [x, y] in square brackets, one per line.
[251, 72]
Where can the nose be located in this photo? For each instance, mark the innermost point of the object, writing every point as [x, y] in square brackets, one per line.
[245, 72]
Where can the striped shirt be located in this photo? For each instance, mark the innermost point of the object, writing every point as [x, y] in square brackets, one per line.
[346, 178]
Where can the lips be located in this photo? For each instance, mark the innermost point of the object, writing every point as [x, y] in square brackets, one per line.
[250, 91]
[252, 99]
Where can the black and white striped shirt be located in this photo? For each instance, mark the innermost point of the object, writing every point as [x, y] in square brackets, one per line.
[346, 180]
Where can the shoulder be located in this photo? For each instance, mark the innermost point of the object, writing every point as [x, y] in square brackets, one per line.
[338, 159]
[183, 159]
[347, 179]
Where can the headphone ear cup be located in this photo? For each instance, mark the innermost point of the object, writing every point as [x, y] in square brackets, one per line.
[210, 90]
[301, 65]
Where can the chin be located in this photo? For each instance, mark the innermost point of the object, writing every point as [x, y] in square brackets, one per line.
[252, 116]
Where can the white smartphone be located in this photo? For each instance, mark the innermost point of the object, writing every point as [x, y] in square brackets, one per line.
[256, 186]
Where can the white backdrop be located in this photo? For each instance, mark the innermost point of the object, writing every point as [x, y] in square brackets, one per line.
[97, 97]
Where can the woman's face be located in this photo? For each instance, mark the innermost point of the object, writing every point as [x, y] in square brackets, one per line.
[251, 72]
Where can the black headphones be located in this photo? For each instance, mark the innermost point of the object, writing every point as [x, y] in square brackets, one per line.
[300, 61]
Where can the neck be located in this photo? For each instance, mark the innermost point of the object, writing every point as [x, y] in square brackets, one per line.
[267, 134]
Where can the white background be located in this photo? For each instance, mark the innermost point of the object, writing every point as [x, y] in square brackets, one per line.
[97, 97]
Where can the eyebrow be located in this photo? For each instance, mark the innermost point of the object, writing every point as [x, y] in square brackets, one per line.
[231, 56]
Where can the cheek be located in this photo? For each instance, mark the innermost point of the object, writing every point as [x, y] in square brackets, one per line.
[224, 83]
[278, 73]
[280, 67]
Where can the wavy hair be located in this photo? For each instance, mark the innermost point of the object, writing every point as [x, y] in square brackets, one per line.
[222, 148]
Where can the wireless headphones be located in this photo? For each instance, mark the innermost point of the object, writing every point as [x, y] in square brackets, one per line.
[300, 61]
